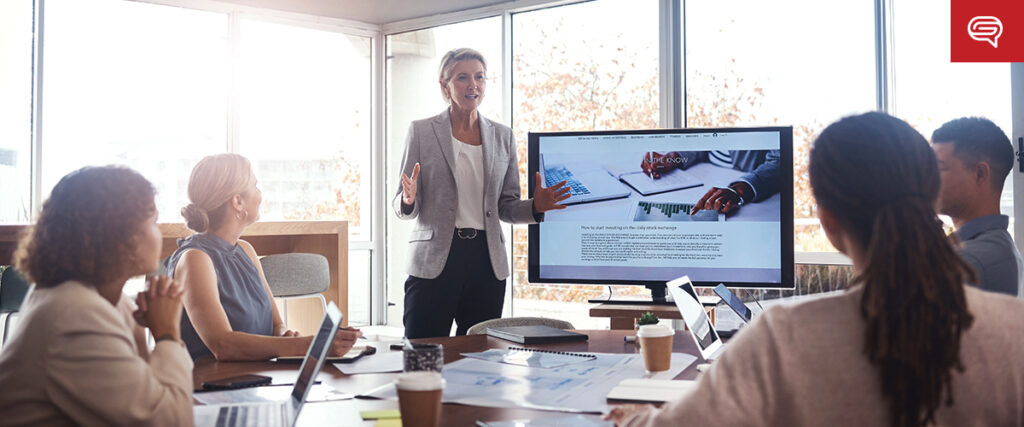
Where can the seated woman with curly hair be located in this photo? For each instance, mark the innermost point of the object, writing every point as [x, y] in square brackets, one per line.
[79, 356]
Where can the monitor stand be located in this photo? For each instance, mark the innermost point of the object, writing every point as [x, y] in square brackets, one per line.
[658, 297]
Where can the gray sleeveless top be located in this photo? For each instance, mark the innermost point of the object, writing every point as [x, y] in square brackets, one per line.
[242, 295]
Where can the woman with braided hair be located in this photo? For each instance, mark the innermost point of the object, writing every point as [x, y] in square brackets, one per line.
[907, 345]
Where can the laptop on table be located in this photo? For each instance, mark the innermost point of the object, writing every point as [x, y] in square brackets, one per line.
[585, 186]
[735, 303]
[703, 333]
[278, 413]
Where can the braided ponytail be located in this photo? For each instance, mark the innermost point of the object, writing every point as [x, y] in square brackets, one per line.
[913, 302]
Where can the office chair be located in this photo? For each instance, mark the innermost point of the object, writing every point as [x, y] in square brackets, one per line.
[297, 276]
[13, 289]
[481, 328]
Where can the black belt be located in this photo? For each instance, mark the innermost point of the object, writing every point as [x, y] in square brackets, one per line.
[468, 233]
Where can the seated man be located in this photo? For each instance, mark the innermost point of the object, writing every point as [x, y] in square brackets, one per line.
[974, 158]
[760, 181]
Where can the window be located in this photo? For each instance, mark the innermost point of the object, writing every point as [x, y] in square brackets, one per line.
[156, 100]
[929, 90]
[16, 110]
[359, 289]
[802, 63]
[584, 66]
[413, 93]
[304, 113]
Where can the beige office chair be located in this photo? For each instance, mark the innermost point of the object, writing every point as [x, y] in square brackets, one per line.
[297, 276]
[481, 328]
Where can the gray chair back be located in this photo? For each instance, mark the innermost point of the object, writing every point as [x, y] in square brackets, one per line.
[481, 328]
[296, 274]
[13, 288]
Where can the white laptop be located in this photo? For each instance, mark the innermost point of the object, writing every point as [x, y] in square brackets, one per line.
[278, 413]
[703, 333]
[585, 185]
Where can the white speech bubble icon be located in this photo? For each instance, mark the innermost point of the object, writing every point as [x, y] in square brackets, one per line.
[985, 28]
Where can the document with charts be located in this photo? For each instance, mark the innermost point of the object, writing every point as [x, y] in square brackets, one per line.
[531, 357]
[578, 387]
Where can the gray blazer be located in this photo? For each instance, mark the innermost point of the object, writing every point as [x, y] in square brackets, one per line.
[430, 143]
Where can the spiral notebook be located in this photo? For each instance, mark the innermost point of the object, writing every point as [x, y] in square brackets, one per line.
[535, 334]
[531, 357]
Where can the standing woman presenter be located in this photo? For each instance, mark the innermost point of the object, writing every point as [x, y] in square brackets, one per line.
[460, 175]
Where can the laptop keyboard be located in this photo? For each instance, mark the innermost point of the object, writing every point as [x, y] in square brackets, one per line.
[558, 174]
[251, 415]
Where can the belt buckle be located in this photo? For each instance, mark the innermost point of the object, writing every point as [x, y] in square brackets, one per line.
[468, 235]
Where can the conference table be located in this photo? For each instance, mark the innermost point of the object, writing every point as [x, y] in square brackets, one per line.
[346, 412]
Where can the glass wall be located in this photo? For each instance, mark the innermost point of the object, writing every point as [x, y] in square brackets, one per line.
[16, 110]
[584, 66]
[800, 63]
[156, 101]
[414, 93]
[925, 94]
[304, 120]
[125, 84]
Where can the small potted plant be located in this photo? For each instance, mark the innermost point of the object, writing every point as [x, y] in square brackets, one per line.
[647, 318]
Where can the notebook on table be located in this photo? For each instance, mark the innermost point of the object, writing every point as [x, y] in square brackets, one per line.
[537, 334]
[643, 390]
[278, 413]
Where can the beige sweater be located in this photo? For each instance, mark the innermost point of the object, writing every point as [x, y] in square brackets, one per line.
[804, 365]
[74, 361]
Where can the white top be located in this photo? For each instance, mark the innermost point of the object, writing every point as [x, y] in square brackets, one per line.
[469, 179]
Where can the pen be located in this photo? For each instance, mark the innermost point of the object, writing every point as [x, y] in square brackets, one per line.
[650, 166]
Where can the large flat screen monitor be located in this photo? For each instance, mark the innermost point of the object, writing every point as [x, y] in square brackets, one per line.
[624, 226]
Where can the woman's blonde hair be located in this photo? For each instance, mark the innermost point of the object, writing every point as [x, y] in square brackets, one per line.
[448, 62]
[214, 181]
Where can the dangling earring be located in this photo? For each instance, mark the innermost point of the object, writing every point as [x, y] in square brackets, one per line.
[242, 218]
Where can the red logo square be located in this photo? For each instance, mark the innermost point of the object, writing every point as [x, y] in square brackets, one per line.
[986, 31]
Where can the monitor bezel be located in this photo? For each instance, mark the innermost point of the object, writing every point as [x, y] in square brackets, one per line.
[786, 216]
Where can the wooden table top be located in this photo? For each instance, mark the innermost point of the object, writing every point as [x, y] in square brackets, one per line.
[346, 412]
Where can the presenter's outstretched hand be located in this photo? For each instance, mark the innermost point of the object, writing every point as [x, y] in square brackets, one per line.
[546, 199]
[409, 186]
[656, 164]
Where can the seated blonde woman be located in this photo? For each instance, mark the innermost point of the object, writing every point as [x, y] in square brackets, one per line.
[229, 309]
[79, 356]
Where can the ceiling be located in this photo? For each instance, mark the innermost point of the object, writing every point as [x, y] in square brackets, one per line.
[377, 12]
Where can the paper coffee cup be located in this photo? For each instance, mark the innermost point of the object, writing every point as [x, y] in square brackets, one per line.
[419, 398]
[656, 347]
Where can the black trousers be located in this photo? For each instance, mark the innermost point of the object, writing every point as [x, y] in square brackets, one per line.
[466, 292]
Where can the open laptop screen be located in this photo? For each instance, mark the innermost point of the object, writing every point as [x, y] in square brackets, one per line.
[735, 303]
[316, 354]
[703, 333]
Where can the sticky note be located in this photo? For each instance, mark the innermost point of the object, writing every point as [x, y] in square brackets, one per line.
[390, 422]
[381, 415]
